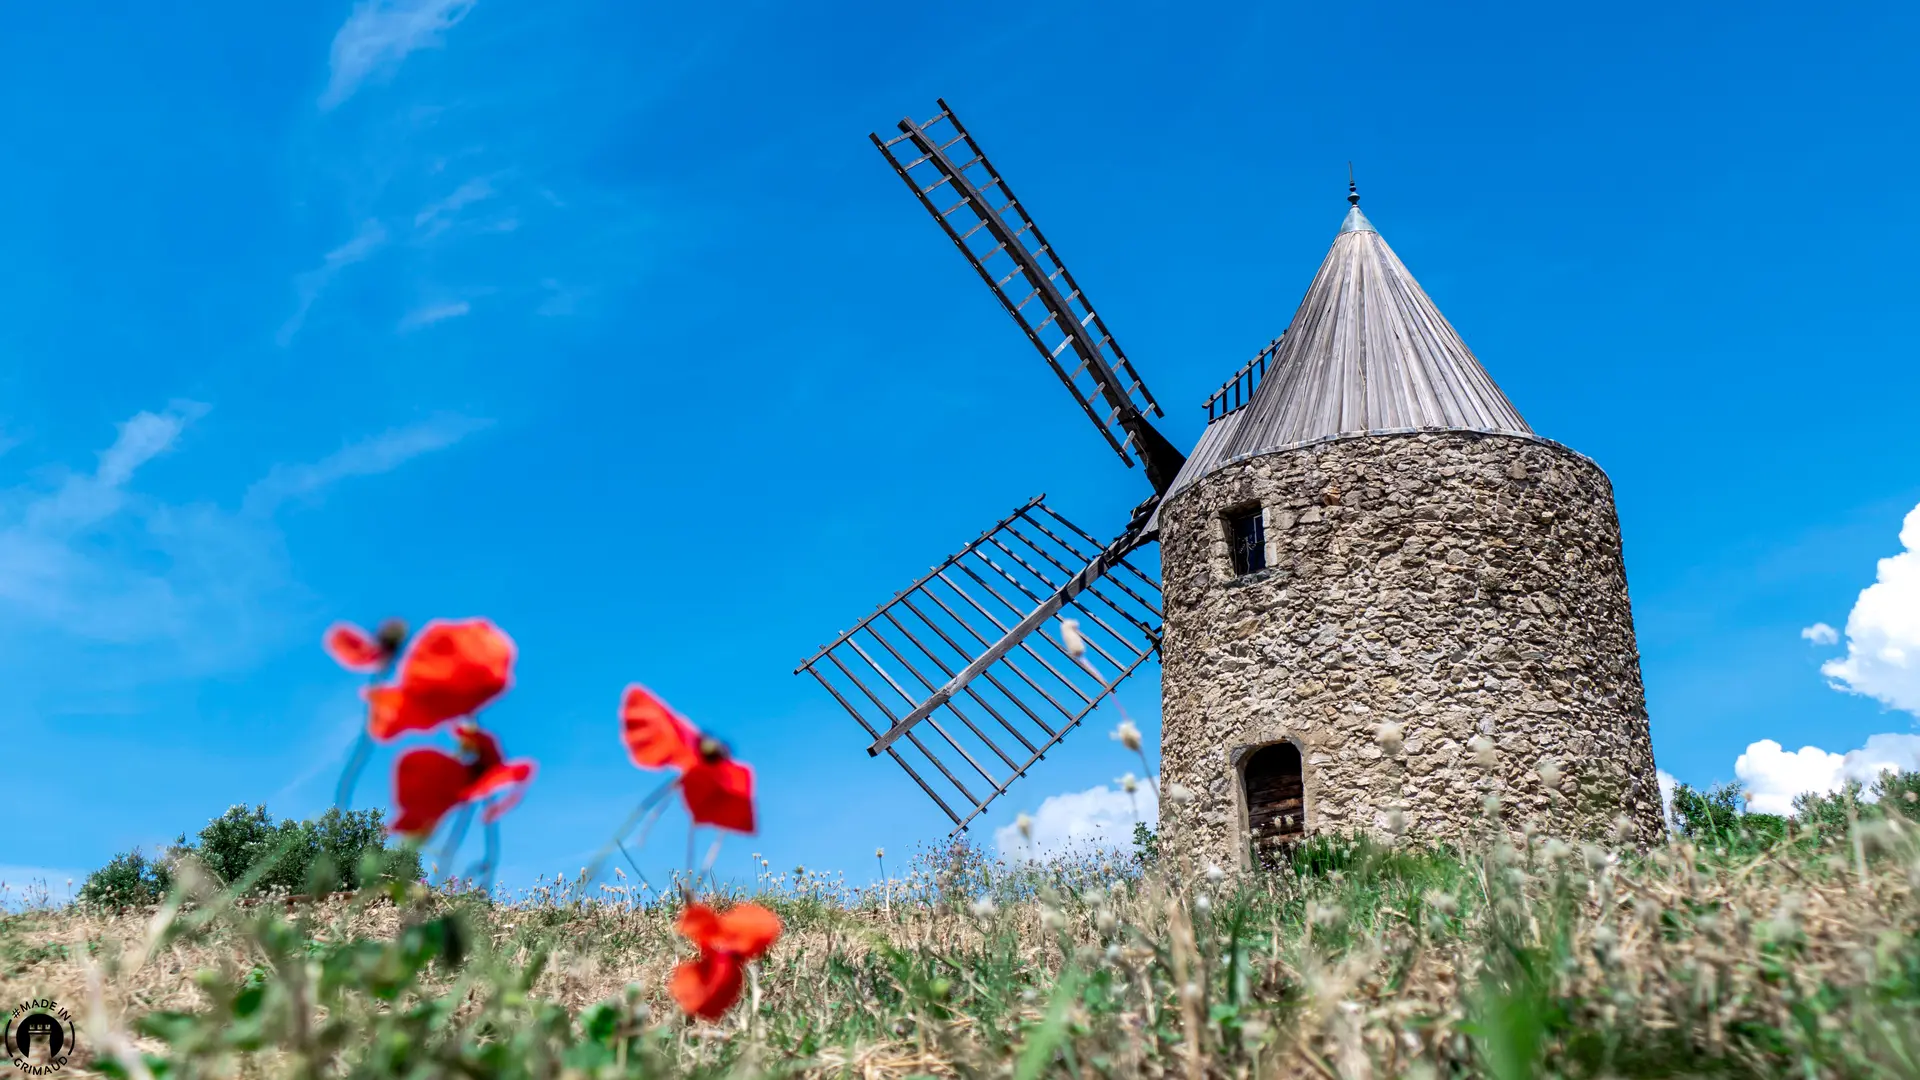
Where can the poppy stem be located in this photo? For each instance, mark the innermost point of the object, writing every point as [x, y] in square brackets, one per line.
[637, 872]
[350, 776]
[454, 839]
[706, 868]
[646, 804]
[490, 860]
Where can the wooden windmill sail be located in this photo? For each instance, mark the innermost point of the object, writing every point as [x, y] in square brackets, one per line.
[969, 676]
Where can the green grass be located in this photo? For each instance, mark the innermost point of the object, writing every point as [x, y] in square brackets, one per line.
[1356, 960]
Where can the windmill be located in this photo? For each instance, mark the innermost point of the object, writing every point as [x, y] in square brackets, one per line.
[970, 675]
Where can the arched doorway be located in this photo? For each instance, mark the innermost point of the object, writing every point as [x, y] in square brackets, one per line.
[1276, 796]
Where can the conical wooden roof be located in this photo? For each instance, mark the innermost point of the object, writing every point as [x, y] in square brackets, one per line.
[1366, 352]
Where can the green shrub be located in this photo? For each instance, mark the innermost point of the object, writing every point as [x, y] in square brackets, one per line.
[337, 850]
[130, 880]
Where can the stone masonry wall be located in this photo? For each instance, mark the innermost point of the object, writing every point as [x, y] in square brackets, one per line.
[1456, 583]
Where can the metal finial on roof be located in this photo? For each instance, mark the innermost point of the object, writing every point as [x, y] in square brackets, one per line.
[1353, 192]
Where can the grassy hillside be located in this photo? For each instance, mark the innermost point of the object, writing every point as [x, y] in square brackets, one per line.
[1529, 958]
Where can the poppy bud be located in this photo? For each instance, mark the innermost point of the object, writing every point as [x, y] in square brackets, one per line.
[391, 634]
[711, 749]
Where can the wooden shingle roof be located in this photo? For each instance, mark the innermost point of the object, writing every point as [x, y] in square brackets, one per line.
[1366, 353]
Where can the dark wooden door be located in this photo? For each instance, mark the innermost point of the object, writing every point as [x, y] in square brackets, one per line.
[1276, 796]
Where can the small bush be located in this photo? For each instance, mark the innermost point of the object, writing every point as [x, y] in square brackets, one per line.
[337, 850]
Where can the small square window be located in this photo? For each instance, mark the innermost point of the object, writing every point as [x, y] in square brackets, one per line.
[1247, 541]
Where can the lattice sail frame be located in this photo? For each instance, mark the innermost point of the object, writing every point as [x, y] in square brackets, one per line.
[973, 650]
[980, 213]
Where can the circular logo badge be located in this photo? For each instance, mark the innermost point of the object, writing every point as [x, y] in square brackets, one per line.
[40, 1037]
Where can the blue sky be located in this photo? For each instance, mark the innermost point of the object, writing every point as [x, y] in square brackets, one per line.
[605, 321]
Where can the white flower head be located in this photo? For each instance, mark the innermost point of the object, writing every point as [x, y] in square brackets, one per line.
[1179, 793]
[879, 853]
[1071, 640]
[1391, 736]
[1129, 783]
[1128, 735]
[1483, 751]
[1215, 875]
[1025, 824]
[1550, 773]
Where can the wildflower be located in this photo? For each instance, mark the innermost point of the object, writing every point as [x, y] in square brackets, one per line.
[1215, 875]
[356, 650]
[453, 669]
[708, 985]
[1623, 829]
[1179, 793]
[1128, 735]
[718, 790]
[879, 853]
[1392, 737]
[1483, 751]
[1129, 783]
[1598, 858]
[427, 783]
[1201, 904]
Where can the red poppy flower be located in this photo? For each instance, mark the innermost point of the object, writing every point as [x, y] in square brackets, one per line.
[428, 783]
[355, 649]
[718, 790]
[656, 736]
[708, 986]
[453, 669]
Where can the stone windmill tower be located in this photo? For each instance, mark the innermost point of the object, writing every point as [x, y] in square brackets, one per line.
[1377, 538]
[1366, 533]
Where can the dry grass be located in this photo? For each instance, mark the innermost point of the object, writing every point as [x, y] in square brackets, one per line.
[1530, 958]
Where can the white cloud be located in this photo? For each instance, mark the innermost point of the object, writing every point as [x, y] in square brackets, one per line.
[165, 587]
[1773, 776]
[380, 34]
[309, 285]
[84, 498]
[366, 457]
[1667, 786]
[1820, 634]
[433, 313]
[1080, 821]
[1883, 630]
[436, 217]
[93, 558]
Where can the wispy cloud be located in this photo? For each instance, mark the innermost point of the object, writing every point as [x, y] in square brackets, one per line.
[437, 216]
[366, 457]
[433, 313]
[309, 285]
[382, 33]
[165, 586]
